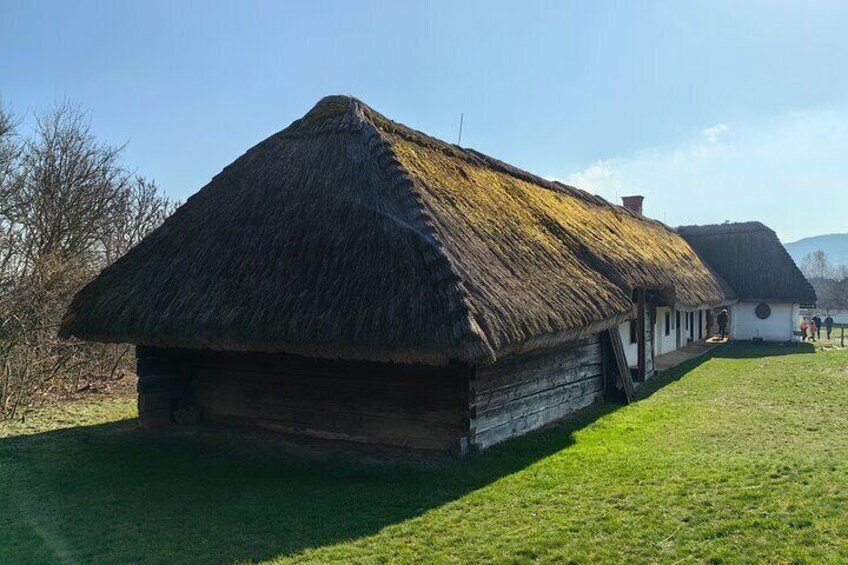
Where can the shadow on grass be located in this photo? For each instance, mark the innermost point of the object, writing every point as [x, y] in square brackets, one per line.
[112, 493]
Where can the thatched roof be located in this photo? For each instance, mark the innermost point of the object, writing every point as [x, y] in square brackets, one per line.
[348, 235]
[750, 257]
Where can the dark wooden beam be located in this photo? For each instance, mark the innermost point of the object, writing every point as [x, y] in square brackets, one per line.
[622, 369]
[641, 337]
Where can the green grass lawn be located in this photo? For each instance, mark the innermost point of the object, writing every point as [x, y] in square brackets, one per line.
[739, 457]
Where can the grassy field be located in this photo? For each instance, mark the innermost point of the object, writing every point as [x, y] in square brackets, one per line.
[740, 457]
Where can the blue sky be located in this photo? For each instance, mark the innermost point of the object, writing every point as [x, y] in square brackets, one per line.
[715, 111]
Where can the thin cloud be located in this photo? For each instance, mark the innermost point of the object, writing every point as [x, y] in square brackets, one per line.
[788, 171]
[714, 133]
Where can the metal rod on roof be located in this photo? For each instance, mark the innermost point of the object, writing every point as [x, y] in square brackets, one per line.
[459, 141]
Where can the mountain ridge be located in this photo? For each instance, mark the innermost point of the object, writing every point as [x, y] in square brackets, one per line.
[835, 245]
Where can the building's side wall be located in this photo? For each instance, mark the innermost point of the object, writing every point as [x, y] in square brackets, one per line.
[779, 326]
[695, 326]
[523, 393]
[631, 350]
[403, 405]
[665, 343]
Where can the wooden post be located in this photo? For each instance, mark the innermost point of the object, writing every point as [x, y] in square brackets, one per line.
[641, 341]
[842, 339]
[463, 444]
[623, 370]
[606, 352]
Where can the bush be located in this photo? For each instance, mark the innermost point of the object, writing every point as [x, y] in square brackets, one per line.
[68, 208]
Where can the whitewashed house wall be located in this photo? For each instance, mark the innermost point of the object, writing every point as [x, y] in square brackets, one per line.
[779, 326]
[666, 343]
[631, 352]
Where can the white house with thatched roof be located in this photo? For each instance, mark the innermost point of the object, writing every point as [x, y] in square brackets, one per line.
[352, 278]
[771, 289]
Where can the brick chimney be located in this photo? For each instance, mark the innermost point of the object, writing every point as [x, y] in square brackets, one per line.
[633, 203]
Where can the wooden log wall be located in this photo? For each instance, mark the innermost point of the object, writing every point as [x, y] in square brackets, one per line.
[402, 405]
[163, 386]
[453, 408]
[523, 393]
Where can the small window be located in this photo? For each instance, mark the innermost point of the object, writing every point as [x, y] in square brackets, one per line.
[686, 318]
[668, 323]
[677, 318]
[633, 331]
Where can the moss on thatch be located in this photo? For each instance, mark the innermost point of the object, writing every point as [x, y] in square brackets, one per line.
[348, 235]
[751, 258]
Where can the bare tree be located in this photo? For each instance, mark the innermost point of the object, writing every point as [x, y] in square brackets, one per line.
[68, 207]
[816, 265]
[10, 152]
[139, 209]
[826, 293]
[840, 295]
[69, 188]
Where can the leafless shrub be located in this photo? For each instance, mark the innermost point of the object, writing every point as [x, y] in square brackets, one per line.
[68, 208]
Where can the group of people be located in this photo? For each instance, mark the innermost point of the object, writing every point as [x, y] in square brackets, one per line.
[811, 327]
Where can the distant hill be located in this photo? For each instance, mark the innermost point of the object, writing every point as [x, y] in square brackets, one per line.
[835, 245]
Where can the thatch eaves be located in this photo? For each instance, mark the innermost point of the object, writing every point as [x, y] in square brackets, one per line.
[348, 235]
[750, 257]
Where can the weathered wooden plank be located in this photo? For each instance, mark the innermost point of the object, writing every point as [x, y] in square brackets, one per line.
[564, 357]
[530, 391]
[489, 381]
[520, 408]
[320, 390]
[549, 395]
[546, 354]
[342, 424]
[376, 407]
[436, 392]
[426, 442]
[305, 366]
[589, 353]
[528, 388]
[491, 436]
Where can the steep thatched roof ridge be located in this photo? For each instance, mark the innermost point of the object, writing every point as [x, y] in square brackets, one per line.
[348, 235]
[751, 258]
